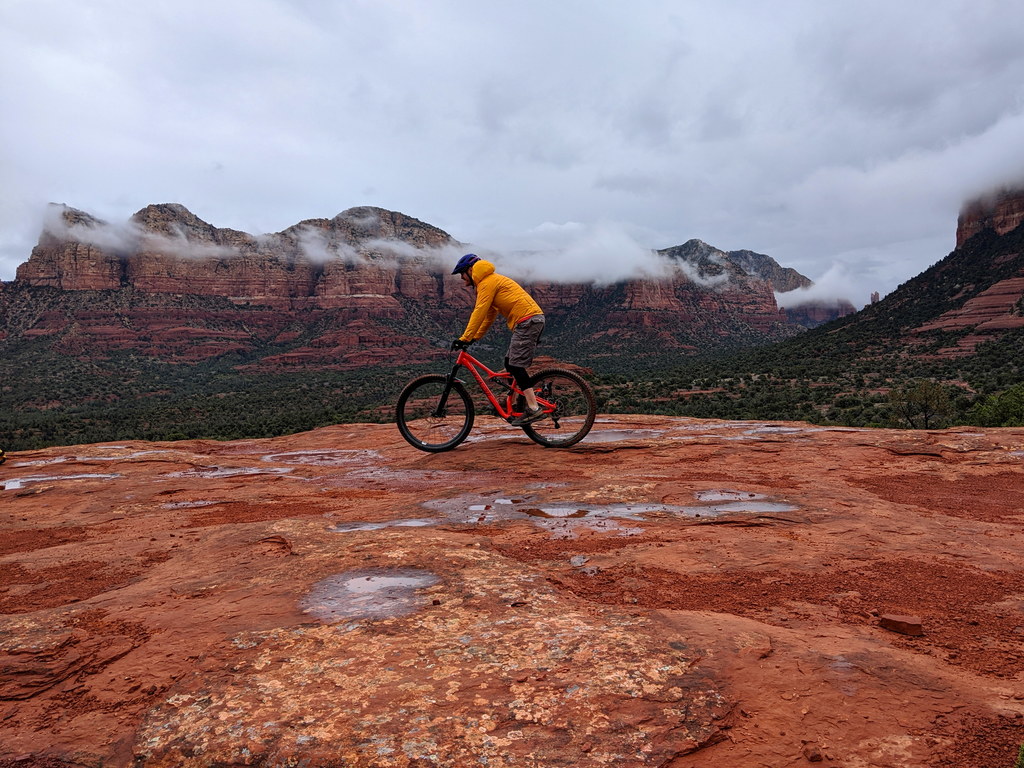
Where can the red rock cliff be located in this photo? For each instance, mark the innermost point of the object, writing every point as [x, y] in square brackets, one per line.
[365, 265]
[167, 249]
[1001, 211]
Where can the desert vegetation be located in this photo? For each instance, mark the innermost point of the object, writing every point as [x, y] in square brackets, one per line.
[48, 399]
[889, 365]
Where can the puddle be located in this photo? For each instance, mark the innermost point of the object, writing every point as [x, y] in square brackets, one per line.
[21, 482]
[713, 437]
[775, 430]
[481, 437]
[556, 512]
[486, 507]
[368, 594]
[749, 507]
[420, 523]
[189, 504]
[83, 459]
[702, 427]
[617, 435]
[42, 462]
[628, 511]
[726, 495]
[566, 519]
[328, 457]
[569, 528]
[122, 457]
[218, 472]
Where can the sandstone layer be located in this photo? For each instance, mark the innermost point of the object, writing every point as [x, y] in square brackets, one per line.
[994, 310]
[172, 286]
[1001, 211]
[671, 592]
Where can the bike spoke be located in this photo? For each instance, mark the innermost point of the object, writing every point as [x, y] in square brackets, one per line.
[570, 406]
[427, 426]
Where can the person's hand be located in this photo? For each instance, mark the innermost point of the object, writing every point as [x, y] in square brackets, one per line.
[460, 344]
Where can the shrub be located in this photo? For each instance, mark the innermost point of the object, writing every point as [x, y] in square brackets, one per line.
[922, 404]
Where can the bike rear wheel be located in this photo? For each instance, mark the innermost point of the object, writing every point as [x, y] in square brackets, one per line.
[575, 408]
[420, 423]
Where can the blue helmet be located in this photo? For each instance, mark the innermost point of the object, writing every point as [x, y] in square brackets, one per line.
[465, 263]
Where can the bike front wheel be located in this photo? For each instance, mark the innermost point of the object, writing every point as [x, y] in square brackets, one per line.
[573, 413]
[426, 426]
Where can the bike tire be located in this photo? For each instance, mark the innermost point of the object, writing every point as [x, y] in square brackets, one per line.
[415, 409]
[574, 413]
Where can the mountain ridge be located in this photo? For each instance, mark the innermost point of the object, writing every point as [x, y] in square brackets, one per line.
[382, 270]
[354, 227]
[92, 365]
[953, 333]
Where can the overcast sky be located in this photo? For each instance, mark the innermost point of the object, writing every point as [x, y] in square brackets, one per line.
[841, 138]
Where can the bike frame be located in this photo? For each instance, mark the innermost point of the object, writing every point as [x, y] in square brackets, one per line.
[482, 373]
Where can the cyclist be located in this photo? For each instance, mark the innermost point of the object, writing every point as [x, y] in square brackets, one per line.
[496, 293]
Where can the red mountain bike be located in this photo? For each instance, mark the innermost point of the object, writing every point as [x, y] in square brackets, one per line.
[435, 412]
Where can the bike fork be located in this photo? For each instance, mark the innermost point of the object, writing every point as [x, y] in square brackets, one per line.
[448, 384]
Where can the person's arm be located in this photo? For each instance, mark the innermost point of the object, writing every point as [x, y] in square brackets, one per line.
[483, 313]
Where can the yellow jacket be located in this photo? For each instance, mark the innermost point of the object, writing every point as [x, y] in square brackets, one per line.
[496, 293]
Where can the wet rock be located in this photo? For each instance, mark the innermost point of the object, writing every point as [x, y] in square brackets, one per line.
[275, 545]
[460, 687]
[155, 610]
[368, 594]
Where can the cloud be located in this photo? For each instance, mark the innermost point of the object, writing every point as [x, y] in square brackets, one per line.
[127, 238]
[319, 246]
[314, 245]
[113, 238]
[809, 131]
[572, 252]
[832, 286]
[605, 253]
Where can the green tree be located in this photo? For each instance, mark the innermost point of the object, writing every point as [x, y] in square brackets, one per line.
[1005, 409]
[921, 404]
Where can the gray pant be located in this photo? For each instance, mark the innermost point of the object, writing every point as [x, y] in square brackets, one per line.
[524, 341]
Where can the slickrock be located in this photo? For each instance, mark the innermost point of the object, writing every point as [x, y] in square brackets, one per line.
[671, 592]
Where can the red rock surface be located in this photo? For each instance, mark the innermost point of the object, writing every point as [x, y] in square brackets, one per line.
[1002, 212]
[671, 592]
